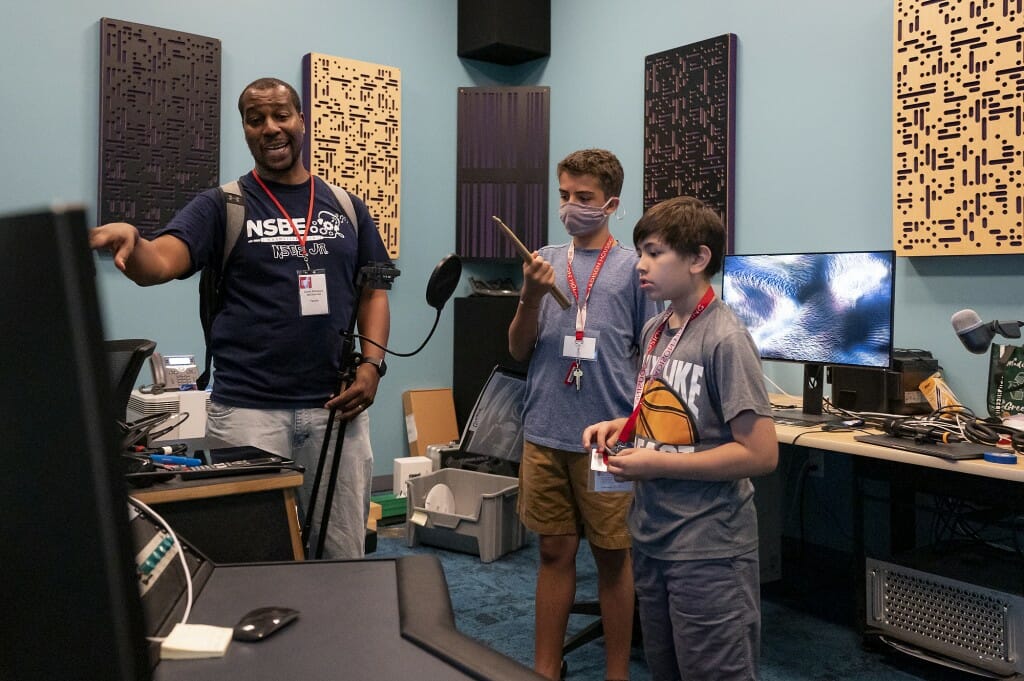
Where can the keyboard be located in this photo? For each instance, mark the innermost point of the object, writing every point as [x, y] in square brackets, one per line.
[952, 451]
[802, 423]
[265, 464]
[796, 417]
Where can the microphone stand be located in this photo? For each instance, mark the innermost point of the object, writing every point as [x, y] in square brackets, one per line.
[379, 276]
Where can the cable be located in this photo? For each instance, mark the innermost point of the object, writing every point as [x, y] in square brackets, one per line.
[364, 339]
[181, 553]
[174, 449]
[181, 416]
[778, 387]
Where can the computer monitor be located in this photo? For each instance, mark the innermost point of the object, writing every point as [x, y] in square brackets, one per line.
[72, 604]
[815, 308]
[492, 441]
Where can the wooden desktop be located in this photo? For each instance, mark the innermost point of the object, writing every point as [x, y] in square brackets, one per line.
[843, 442]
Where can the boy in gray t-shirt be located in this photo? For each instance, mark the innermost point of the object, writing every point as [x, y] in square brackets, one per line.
[700, 429]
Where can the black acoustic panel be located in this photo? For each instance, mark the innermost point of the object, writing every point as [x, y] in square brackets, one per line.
[690, 125]
[481, 341]
[159, 121]
[504, 31]
[501, 169]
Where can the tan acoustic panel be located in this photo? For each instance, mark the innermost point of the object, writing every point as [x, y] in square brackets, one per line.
[957, 139]
[353, 133]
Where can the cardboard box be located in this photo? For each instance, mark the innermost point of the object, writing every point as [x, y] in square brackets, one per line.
[429, 418]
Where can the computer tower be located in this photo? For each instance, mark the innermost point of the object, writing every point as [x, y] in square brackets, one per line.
[957, 610]
[895, 391]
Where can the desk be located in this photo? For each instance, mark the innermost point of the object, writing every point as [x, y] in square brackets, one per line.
[908, 473]
[843, 442]
[369, 619]
[989, 486]
[233, 519]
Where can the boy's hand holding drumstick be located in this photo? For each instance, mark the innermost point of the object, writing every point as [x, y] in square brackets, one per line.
[527, 257]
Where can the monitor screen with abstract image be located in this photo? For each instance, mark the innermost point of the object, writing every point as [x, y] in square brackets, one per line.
[818, 309]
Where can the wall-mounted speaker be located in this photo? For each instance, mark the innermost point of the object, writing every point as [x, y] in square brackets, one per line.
[504, 31]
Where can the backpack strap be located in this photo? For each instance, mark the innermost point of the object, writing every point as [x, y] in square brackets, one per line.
[210, 280]
[234, 211]
[345, 201]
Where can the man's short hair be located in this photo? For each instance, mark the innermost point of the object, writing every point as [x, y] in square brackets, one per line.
[684, 224]
[270, 84]
[600, 163]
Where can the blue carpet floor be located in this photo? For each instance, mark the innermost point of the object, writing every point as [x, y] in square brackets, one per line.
[493, 603]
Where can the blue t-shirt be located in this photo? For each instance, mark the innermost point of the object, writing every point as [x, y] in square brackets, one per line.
[555, 414]
[266, 354]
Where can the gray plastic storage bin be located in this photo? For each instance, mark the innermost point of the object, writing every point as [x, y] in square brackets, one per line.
[484, 521]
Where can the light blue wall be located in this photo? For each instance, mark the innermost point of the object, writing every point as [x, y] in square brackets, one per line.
[813, 142]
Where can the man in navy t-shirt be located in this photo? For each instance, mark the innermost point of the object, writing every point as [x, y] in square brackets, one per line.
[289, 291]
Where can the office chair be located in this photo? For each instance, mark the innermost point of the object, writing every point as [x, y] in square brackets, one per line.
[595, 629]
[125, 358]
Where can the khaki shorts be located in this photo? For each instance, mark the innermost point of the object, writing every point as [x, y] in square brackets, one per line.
[554, 500]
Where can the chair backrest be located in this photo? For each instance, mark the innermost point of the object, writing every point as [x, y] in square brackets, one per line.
[125, 357]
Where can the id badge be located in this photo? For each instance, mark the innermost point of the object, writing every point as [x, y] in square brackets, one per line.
[587, 349]
[313, 292]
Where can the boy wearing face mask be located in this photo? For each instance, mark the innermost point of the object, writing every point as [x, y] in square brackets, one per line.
[581, 363]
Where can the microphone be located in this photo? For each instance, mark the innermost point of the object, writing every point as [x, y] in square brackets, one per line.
[973, 333]
[977, 335]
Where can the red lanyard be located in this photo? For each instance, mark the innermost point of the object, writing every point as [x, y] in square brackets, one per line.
[626, 434]
[581, 308]
[309, 216]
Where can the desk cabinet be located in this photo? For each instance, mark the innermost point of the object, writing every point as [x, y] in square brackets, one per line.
[236, 519]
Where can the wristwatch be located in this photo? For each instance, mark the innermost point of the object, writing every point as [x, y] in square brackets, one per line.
[379, 363]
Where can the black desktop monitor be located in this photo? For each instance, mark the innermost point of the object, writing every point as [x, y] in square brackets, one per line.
[815, 308]
[72, 608]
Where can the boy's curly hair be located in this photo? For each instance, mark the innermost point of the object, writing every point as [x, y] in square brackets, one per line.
[599, 163]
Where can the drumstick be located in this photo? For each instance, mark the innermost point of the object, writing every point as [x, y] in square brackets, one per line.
[527, 257]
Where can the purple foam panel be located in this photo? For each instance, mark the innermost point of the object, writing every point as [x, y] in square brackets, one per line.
[501, 169]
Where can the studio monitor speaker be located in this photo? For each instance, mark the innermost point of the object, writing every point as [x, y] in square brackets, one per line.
[504, 31]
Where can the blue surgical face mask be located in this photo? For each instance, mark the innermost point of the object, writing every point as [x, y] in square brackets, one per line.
[580, 220]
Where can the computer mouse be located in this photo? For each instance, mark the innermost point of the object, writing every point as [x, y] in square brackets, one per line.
[260, 623]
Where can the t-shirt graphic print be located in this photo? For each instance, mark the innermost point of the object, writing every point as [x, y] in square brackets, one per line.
[665, 422]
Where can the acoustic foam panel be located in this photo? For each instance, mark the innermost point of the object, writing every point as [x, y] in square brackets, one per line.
[501, 169]
[504, 31]
[354, 133]
[159, 121]
[690, 125]
[958, 151]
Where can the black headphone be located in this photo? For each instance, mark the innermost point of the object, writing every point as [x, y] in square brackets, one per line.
[998, 431]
